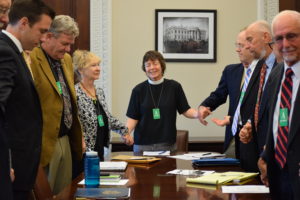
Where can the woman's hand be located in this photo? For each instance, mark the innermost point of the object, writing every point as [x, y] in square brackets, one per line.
[127, 139]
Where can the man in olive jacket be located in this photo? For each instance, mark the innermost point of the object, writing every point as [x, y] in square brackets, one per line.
[54, 79]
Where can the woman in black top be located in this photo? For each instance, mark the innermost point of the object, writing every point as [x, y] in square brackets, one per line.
[153, 107]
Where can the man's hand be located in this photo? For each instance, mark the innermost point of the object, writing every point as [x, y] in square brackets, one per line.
[203, 112]
[127, 139]
[12, 174]
[262, 165]
[246, 133]
[221, 122]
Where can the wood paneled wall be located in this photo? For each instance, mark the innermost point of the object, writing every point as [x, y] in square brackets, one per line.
[80, 11]
[289, 5]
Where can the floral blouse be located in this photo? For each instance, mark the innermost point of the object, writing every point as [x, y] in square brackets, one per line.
[88, 117]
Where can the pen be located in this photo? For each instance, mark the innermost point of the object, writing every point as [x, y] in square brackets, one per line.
[205, 154]
[162, 152]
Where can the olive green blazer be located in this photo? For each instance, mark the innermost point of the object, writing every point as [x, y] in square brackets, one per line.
[52, 104]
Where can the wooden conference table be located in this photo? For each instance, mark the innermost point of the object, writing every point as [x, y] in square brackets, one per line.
[151, 182]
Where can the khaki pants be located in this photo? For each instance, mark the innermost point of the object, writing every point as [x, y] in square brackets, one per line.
[59, 169]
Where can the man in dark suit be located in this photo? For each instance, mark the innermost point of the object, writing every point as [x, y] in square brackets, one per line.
[229, 85]
[20, 111]
[259, 39]
[5, 180]
[280, 162]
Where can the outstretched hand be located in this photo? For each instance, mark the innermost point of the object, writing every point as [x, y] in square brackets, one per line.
[221, 122]
[127, 139]
[203, 112]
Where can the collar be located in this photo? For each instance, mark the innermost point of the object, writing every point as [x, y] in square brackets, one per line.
[14, 39]
[295, 68]
[270, 61]
[252, 65]
[156, 82]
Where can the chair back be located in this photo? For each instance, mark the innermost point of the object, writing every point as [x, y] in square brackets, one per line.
[182, 140]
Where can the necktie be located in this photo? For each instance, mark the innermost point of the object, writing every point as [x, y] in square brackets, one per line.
[65, 96]
[283, 125]
[237, 111]
[27, 59]
[259, 94]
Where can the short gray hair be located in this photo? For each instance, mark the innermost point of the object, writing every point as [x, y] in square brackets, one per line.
[64, 24]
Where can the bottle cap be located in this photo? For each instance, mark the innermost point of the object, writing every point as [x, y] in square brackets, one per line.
[91, 153]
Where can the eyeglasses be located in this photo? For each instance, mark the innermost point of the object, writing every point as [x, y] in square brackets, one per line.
[289, 37]
[239, 45]
[4, 11]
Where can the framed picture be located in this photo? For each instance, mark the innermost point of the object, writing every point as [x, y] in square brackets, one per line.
[186, 35]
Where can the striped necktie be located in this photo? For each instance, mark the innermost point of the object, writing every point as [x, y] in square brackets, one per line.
[259, 94]
[237, 111]
[283, 122]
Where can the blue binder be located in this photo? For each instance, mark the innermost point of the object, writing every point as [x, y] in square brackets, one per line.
[215, 161]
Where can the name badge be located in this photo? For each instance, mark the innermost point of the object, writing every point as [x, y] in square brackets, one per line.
[100, 120]
[242, 96]
[59, 87]
[156, 113]
[283, 117]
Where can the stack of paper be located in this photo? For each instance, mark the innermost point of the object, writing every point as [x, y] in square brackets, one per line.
[200, 155]
[187, 172]
[113, 166]
[120, 182]
[156, 153]
[222, 178]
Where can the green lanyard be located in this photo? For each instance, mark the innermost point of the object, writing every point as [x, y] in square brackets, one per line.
[156, 110]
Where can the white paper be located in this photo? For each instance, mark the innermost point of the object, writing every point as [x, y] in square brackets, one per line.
[117, 165]
[156, 153]
[195, 156]
[187, 172]
[121, 182]
[245, 189]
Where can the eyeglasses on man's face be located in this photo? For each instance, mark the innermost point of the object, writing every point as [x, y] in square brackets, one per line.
[3, 11]
[289, 37]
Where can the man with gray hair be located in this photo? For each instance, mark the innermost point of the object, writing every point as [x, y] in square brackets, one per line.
[280, 161]
[54, 78]
[253, 135]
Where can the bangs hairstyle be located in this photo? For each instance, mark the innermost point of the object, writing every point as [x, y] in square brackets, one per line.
[154, 55]
[82, 58]
[32, 9]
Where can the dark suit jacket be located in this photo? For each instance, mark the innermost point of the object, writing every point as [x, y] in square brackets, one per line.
[229, 85]
[248, 153]
[262, 126]
[20, 111]
[293, 149]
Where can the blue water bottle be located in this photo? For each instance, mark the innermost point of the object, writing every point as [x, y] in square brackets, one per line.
[91, 169]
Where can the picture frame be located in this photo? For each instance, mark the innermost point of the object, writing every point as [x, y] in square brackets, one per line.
[186, 35]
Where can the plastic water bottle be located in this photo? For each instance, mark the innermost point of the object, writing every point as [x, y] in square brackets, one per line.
[91, 169]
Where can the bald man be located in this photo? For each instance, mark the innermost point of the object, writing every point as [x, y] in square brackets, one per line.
[280, 162]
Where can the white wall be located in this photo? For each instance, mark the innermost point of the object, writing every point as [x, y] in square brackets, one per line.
[133, 27]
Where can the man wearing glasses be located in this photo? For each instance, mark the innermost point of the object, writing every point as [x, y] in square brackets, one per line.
[4, 9]
[231, 84]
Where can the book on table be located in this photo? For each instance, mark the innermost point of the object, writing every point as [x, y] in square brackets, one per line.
[111, 178]
[113, 166]
[222, 178]
[103, 193]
